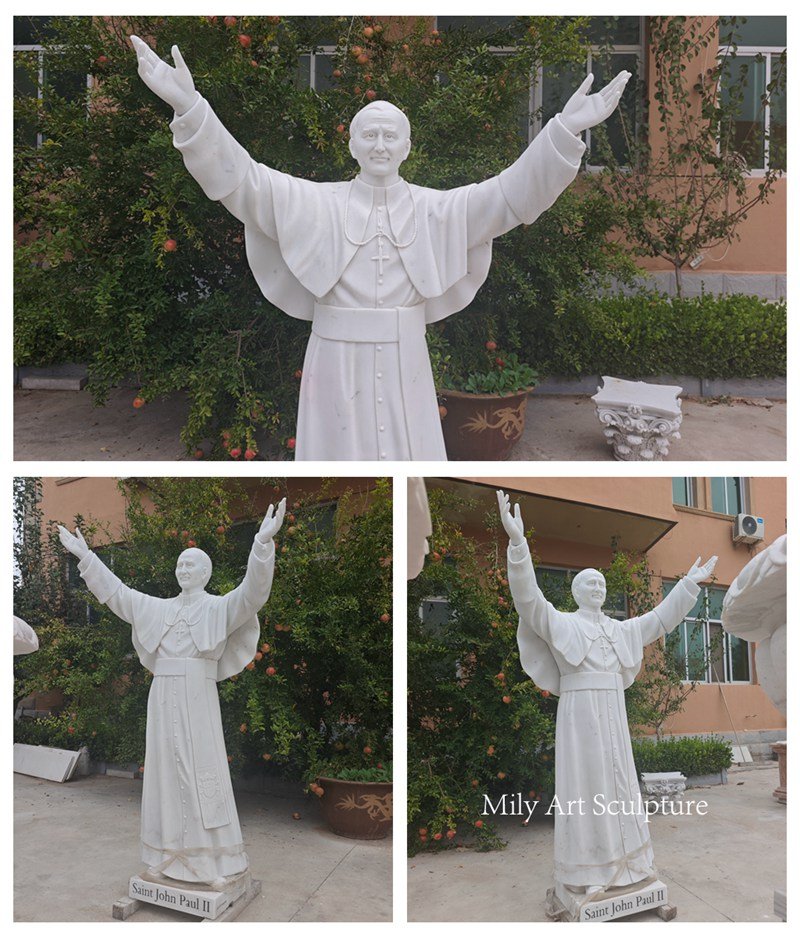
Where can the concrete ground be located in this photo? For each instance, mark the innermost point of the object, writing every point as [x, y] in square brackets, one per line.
[76, 845]
[65, 425]
[723, 867]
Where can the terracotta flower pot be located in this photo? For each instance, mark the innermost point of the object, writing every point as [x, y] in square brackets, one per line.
[482, 426]
[361, 810]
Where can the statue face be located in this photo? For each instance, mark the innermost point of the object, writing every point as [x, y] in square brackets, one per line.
[589, 589]
[193, 569]
[380, 142]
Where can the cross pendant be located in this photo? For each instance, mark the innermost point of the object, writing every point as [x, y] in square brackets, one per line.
[380, 257]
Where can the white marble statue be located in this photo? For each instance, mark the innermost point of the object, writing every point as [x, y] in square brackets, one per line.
[369, 262]
[25, 639]
[589, 659]
[190, 829]
[754, 609]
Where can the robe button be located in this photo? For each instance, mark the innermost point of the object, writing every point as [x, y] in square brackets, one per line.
[379, 348]
[381, 428]
[380, 279]
[379, 374]
[380, 400]
[383, 455]
[380, 302]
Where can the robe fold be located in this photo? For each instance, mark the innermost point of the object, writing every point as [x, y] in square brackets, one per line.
[316, 245]
[189, 827]
[589, 659]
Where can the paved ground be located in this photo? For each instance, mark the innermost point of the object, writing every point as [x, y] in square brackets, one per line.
[66, 425]
[719, 868]
[76, 845]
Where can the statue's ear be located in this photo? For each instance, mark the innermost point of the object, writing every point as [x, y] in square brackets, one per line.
[408, 148]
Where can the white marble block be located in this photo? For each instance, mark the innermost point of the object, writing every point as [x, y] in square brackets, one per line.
[664, 788]
[568, 906]
[639, 419]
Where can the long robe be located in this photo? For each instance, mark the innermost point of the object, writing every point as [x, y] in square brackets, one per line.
[189, 827]
[367, 390]
[589, 659]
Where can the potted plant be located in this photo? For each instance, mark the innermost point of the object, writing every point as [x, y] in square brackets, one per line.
[356, 802]
[483, 394]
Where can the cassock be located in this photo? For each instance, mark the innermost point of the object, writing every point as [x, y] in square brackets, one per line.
[370, 267]
[589, 659]
[190, 829]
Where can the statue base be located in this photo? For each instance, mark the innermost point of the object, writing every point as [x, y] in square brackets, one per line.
[209, 903]
[566, 906]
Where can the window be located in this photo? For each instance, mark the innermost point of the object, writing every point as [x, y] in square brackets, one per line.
[34, 73]
[683, 492]
[728, 495]
[617, 43]
[756, 48]
[699, 647]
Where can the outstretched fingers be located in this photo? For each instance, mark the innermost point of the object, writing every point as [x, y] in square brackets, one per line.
[177, 58]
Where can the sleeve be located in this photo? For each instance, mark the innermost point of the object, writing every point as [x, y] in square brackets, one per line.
[529, 601]
[528, 187]
[223, 168]
[669, 613]
[250, 595]
[107, 586]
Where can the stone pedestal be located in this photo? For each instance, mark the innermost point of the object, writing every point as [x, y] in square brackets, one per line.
[780, 751]
[566, 906]
[213, 904]
[639, 419]
[664, 788]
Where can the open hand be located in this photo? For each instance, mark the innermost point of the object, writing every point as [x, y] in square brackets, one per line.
[701, 572]
[74, 543]
[173, 85]
[584, 110]
[272, 522]
[512, 523]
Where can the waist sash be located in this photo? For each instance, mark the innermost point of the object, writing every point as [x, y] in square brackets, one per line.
[405, 326]
[591, 680]
[199, 708]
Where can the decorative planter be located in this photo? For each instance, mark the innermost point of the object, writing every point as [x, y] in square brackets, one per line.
[361, 810]
[482, 426]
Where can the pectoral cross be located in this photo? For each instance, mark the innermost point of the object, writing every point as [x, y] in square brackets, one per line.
[380, 257]
[180, 628]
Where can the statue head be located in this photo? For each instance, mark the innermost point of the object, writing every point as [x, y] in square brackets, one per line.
[380, 139]
[193, 569]
[589, 589]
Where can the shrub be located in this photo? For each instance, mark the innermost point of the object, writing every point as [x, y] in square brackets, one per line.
[734, 336]
[692, 755]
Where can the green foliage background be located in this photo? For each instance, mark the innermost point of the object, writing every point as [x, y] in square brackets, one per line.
[330, 696]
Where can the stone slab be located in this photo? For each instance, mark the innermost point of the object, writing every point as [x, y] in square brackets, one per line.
[656, 398]
[52, 383]
[779, 904]
[192, 898]
[56, 765]
[618, 903]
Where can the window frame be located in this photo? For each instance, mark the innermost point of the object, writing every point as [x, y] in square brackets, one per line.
[535, 98]
[753, 52]
[706, 622]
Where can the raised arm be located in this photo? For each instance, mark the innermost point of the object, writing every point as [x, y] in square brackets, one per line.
[102, 582]
[250, 595]
[529, 600]
[532, 184]
[221, 166]
[672, 610]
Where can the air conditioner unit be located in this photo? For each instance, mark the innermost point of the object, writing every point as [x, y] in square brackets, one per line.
[747, 529]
